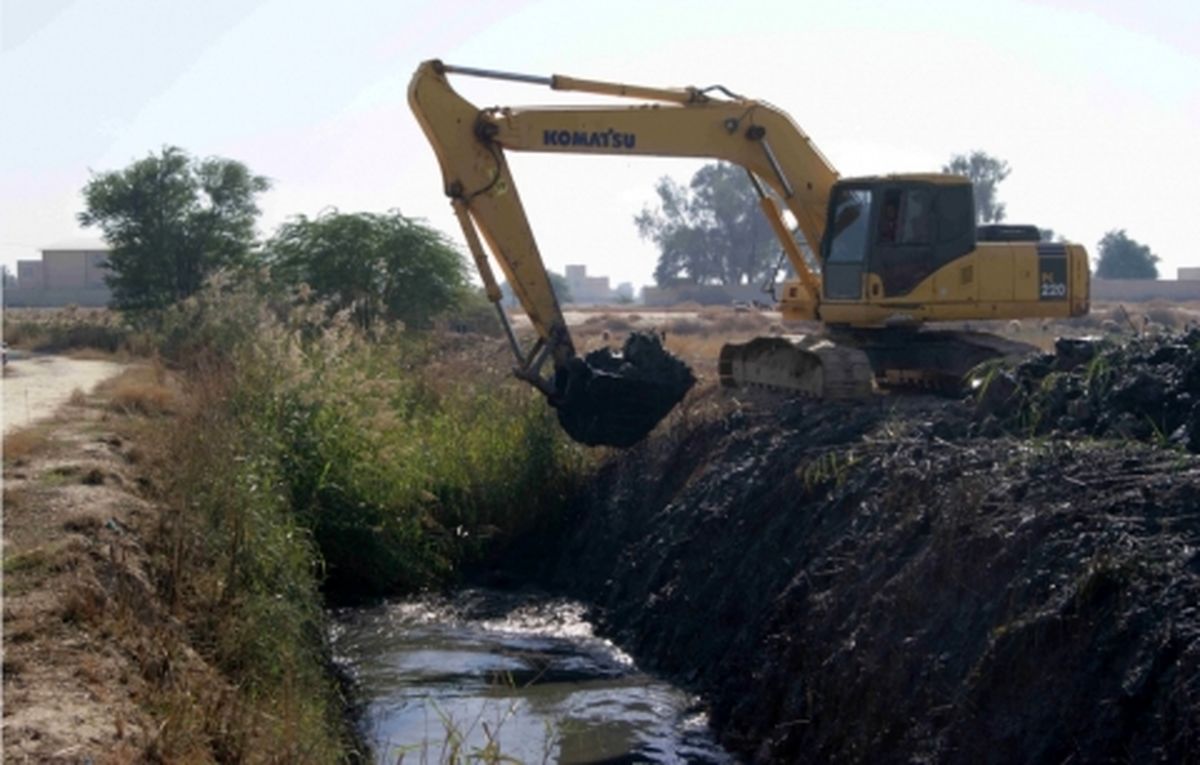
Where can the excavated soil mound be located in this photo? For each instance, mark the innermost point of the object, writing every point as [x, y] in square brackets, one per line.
[877, 583]
[1146, 390]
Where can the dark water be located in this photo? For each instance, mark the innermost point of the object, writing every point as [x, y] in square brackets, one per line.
[522, 673]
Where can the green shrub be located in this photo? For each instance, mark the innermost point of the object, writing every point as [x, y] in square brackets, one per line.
[402, 461]
[403, 479]
[244, 573]
[312, 462]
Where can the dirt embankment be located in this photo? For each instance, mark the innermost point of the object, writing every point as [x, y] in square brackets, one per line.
[98, 667]
[879, 583]
[80, 614]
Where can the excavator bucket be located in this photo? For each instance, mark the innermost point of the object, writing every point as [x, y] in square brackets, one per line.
[616, 399]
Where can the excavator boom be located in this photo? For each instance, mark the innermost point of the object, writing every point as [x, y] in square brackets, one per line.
[470, 144]
[895, 251]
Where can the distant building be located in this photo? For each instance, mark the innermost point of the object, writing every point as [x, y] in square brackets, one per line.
[69, 273]
[588, 289]
[1189, 274]
[703, 294]
[1139, 290]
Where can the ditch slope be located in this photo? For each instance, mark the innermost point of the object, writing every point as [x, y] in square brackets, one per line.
[883, 582]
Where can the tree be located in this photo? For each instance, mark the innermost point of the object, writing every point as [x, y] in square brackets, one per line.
[986, 172]
[712, 232]
[171, 221]
[379, 266]
[1123, 258]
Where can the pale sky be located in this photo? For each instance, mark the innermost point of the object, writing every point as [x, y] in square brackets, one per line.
[1096, 106]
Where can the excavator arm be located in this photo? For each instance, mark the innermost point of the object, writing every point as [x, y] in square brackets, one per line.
[470, 144]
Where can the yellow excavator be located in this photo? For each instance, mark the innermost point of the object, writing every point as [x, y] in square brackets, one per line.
[888, 253]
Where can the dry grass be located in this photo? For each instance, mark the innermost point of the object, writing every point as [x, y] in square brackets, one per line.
[83, 603]
[21, 445]
[730, 323]
[97, 354]
[143, 390]
[700, 351]
[92, 332]
[607, 322]
[688, 327]
[83, 521]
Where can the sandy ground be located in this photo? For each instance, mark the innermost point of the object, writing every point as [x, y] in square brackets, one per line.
[74, 572]
[643, 318]
[36, 386]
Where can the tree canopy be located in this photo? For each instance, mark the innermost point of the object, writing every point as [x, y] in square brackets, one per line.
[378, 266]
[171, 221]
[711, 232]
[986, 172]
[1120, 257]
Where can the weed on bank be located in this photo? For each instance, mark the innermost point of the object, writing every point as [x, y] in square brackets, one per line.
[312, 464]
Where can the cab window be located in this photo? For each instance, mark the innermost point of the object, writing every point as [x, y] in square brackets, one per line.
[850, 228]
[916, 214]
[904, 235]
[906, 217]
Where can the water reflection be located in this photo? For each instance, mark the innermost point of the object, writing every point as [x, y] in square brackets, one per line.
[525, 674]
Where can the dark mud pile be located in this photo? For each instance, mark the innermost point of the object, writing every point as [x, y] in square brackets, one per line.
[878, 583]
[616, 399]
[1146, 390]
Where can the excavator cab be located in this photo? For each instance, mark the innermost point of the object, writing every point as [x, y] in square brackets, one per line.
[887, 234]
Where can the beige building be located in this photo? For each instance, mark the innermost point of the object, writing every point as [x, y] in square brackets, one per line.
[1140, 290]
[588, 289]
[69, 273]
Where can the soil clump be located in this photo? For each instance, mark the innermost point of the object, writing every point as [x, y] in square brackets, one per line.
[616, 399]
[907, 580]
[1146, 390]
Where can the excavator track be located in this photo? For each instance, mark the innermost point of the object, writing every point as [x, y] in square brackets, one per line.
[936, 360]
[844, 364]
[806, 365]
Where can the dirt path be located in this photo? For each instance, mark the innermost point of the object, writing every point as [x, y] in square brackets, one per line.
[36, 386]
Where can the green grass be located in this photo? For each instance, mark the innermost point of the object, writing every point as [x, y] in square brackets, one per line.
[404, 477]
[828, 467]
[309, 465]
[29, 561]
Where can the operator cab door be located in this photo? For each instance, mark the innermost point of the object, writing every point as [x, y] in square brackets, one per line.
[846, 245]
[902, 252]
